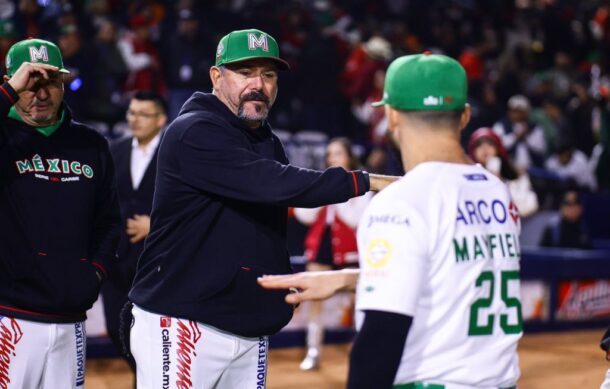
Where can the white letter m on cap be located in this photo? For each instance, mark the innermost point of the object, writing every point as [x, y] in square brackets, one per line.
[254, 42]
[40, 53]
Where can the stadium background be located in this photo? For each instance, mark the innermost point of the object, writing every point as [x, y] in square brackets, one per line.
[554, 52]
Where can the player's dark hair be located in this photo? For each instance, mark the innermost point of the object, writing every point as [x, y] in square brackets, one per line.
[156, 98]
[354, 162]
[442, 119]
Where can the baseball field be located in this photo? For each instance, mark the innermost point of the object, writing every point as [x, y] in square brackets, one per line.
[568, 360]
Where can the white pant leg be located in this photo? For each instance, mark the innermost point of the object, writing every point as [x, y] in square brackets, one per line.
[23, 346]
[65, 367]
[39, 355]
[248, 369]
[178, 354]
[606, 383]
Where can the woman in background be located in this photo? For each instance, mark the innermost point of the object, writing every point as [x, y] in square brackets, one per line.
[330, 242]
[486, 148]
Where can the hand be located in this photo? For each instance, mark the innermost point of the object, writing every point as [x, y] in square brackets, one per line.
[314, 285]
[494, 164]
[379, 182]
[138, 227]
[29, 73]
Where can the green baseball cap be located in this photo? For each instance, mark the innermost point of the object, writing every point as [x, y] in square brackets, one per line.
[425, 82]
[243, 45]
[33, 50]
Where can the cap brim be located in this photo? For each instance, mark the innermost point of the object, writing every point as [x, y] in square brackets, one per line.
[282, 65]
[61, 70]
[379, 103]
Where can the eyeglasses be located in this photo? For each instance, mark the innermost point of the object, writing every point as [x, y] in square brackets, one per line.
[571, 203]
[145, 115]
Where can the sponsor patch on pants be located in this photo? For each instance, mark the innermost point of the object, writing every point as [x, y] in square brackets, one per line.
[10, 335]
[187, 336]
[261, 369]
[80, 335]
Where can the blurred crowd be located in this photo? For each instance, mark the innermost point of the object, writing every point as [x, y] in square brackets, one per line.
[538, 71]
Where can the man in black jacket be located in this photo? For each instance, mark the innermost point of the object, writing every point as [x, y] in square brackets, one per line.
[59, 219]
[218, 222]
[567, 229]
[135, 160]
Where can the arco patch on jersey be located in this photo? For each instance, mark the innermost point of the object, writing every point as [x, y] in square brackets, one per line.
[482, 211]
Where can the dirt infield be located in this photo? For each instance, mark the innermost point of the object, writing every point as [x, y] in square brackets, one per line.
[569, 360]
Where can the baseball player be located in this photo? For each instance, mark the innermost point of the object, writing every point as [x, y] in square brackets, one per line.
[218, 222]
[59, 222]
[438, 292]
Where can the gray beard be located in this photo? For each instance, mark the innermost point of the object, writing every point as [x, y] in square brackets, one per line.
[260, 115]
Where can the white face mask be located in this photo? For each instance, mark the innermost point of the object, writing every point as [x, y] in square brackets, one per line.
[493, 165]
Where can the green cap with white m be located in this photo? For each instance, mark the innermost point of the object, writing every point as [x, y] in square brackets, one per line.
[425, 82]
[33, 50]
[243, 45]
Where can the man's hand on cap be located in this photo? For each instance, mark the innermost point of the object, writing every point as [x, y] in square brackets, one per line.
[23, 78]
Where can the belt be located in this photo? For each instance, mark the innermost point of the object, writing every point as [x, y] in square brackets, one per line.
[427, 385]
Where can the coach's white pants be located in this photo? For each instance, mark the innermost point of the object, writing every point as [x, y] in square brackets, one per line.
[179, 354]
[41, 355]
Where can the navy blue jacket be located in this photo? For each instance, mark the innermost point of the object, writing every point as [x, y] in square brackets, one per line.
[219, 220]
[59, 217]
[132, 201]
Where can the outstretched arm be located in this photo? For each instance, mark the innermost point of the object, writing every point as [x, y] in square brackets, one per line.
[214, 160]
[378, 181]
[316, 285]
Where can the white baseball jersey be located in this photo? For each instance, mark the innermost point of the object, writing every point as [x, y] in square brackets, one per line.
[442, 245]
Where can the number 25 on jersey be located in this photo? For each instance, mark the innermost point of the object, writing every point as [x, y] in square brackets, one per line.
[476, 329]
